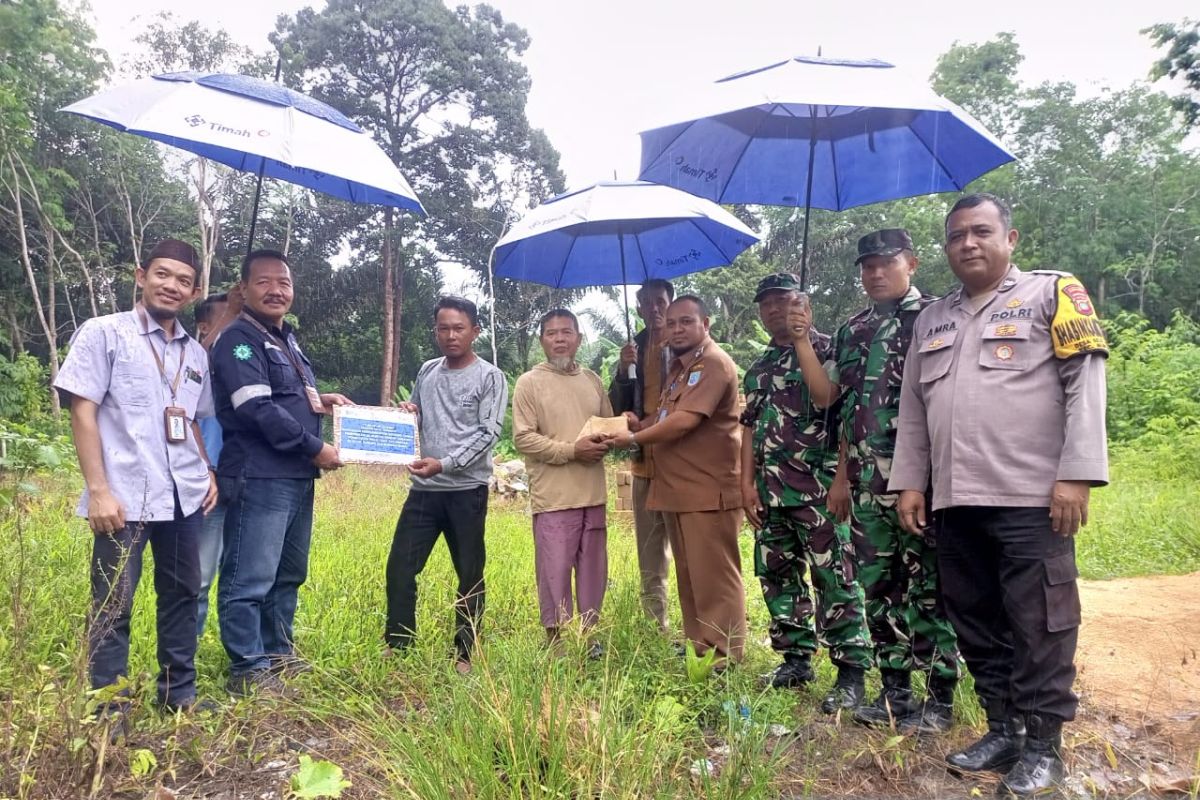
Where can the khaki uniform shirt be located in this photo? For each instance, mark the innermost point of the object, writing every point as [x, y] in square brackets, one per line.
[701, 471]
[1002, 400]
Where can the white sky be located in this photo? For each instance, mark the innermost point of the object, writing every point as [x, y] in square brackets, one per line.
[602, 71]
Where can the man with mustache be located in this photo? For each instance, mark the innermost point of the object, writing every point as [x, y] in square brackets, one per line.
[551, 404]
[270, 413]
[1002, 415]
[136, 383]
[697, 480]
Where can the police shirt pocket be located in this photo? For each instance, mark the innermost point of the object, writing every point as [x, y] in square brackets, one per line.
[131, 388]
[1063, 610]
[936, 355]
[1005, 345]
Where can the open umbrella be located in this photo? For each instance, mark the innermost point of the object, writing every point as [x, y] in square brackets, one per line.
[255, 126]
[618, 233]
[820, 133]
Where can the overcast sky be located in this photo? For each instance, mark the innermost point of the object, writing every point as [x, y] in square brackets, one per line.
[602, 71]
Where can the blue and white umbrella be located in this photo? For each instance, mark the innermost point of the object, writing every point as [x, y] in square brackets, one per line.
[820, 133]
[619, 233]
[256, 126]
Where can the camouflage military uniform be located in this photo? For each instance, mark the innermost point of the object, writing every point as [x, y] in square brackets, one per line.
[794, 462]
[898, 571]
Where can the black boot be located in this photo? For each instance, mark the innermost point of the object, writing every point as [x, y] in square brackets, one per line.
[895, 700]
[794, 673]
[998, 750]
[1040, 768]
[936, 714]
[848, 690]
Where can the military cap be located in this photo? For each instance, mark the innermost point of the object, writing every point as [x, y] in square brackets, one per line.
[887, 242]
[784, 281]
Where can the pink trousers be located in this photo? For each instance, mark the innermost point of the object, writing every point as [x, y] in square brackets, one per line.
[572, 540]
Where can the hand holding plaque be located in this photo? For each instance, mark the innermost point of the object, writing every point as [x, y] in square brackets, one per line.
[375, 435]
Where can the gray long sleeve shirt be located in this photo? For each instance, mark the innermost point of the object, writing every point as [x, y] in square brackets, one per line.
[1001, 400]
[459, 416]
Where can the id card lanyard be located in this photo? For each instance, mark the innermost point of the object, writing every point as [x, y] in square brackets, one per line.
[174, 416]
[310, 391]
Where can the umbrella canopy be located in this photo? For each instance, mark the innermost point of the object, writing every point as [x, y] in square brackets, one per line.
[256, 126]
[820, 133]
[616, 233]
[862, 131]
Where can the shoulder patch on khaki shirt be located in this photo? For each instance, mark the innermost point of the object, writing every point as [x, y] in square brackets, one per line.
[1075, 329]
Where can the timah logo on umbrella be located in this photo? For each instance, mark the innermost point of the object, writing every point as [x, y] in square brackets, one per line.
[196, 121]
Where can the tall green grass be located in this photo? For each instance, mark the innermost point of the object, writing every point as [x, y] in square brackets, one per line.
[525, 723]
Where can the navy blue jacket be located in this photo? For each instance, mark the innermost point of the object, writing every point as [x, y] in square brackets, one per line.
[270, 430]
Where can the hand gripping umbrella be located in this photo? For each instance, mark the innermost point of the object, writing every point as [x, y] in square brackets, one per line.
[820, 133]
[256, 126]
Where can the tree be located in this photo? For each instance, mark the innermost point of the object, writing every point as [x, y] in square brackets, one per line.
[46, 61]
[444, 94]
[1181, 61]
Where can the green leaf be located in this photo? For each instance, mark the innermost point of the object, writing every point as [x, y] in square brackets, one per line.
[142, 762]
[318, 779]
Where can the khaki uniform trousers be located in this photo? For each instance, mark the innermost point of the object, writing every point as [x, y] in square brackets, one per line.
[708, 569]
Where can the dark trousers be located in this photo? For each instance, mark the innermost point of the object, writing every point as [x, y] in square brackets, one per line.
[116, 570]
[461, 516]
[1009, 586]
[268, 529]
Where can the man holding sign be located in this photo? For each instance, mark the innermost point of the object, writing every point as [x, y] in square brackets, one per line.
[459, 400]
[270, 413]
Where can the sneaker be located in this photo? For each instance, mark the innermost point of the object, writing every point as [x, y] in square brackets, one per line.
[287, 666]
[194, 707]
[595, 651]
[260, 682]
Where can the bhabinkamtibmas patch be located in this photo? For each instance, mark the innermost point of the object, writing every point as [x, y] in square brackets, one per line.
[1075, 329]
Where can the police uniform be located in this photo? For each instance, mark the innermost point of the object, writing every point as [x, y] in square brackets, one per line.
[261, 386]
[1004, 395]
[697, 483]
[795, 457]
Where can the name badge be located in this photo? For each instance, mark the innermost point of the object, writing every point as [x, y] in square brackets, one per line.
[176, 424]
[314, 400]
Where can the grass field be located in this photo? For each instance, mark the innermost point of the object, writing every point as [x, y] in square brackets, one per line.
[640, 723]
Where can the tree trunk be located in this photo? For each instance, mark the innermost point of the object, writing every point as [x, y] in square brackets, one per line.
[388, 325]
[45, 312]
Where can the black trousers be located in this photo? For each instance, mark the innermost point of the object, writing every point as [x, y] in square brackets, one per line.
[1008, 582]
[461, 516]
[116, 571]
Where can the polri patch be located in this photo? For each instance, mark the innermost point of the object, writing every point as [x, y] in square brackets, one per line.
[242, 352]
